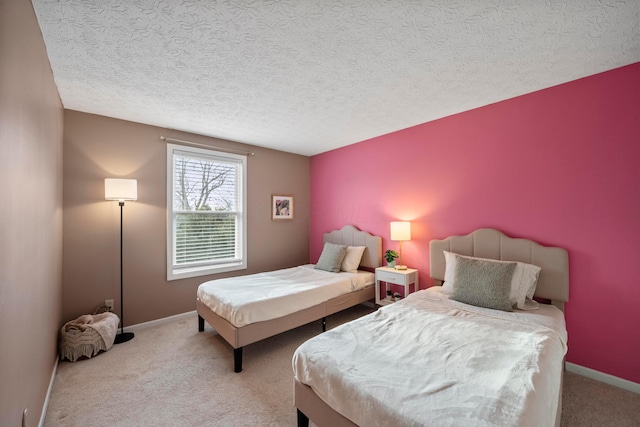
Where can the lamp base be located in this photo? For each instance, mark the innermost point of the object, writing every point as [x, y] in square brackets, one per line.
[123, 337]
[400, 267]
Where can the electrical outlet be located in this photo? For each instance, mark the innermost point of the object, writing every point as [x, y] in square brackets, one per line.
[109, 304]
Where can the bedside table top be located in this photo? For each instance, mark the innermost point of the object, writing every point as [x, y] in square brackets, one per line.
[393, 270]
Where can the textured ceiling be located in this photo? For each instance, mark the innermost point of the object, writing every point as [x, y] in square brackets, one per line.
[309, 76]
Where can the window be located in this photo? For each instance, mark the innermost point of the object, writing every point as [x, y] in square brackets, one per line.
[206, 220]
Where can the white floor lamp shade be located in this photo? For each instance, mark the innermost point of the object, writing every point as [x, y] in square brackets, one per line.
[120, 189]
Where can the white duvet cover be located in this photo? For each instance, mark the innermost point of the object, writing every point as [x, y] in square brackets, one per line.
[263, 296]
[428, 360]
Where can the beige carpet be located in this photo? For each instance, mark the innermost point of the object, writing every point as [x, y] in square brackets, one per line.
[172, 375]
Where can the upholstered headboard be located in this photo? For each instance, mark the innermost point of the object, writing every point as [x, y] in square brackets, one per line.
[351, 236]
[553, 282]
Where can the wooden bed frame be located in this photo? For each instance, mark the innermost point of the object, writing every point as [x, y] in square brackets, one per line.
[242, 336]
[553, 285]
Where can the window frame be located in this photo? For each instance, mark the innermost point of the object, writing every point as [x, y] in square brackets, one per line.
[176, 273]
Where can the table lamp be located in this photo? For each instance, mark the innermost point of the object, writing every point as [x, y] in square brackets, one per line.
[400, 230]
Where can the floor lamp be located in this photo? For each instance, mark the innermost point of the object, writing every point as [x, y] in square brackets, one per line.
[121, 190]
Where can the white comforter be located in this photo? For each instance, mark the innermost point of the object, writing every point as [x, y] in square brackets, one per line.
[263, 296]
[428, 360]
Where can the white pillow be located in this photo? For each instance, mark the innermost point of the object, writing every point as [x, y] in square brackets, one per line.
[352, 259]
[523, 282]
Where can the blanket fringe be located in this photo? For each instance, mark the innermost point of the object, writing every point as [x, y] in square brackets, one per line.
[87, 344]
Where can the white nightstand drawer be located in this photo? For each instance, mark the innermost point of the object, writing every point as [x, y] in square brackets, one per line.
[390, 278]
[403, 278]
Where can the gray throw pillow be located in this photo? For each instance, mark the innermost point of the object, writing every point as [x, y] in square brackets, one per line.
[331, 257]
[483, 283]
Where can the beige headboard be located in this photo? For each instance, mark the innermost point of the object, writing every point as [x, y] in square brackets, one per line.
[553, 282]
[351, 236]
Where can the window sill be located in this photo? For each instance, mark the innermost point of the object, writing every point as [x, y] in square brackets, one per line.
[186, 273]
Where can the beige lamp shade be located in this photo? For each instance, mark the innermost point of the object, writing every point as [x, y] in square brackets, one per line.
[400, 230]
[120, 189]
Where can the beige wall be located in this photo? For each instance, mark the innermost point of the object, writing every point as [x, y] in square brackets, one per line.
[97, 147]
[31, 119]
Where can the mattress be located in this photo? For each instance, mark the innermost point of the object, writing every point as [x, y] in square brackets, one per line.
[430, 360]
[263, 296]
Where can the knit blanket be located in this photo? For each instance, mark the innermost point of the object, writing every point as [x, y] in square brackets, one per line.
[88, 335]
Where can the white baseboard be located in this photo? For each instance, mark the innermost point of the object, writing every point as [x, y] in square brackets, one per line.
[604, 378]
[46, 399]
[156, 322]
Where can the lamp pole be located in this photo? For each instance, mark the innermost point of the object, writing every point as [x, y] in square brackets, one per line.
[122, 336]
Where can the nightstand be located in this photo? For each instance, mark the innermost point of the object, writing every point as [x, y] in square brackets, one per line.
[397, 277]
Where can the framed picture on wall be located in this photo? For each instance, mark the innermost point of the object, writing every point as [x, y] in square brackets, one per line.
[281, 207]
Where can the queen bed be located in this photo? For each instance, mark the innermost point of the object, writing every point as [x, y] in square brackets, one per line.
[475, 349]
[247, 309]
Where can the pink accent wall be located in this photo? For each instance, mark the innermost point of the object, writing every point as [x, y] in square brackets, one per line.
[560, 166]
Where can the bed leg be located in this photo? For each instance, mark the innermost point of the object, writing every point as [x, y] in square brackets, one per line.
[237, 359]
[303, 420]
[200, 323]
[324, 324]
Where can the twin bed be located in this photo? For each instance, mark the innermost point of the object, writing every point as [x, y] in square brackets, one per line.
[431, 359]
[247, 309]
[476, 349]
